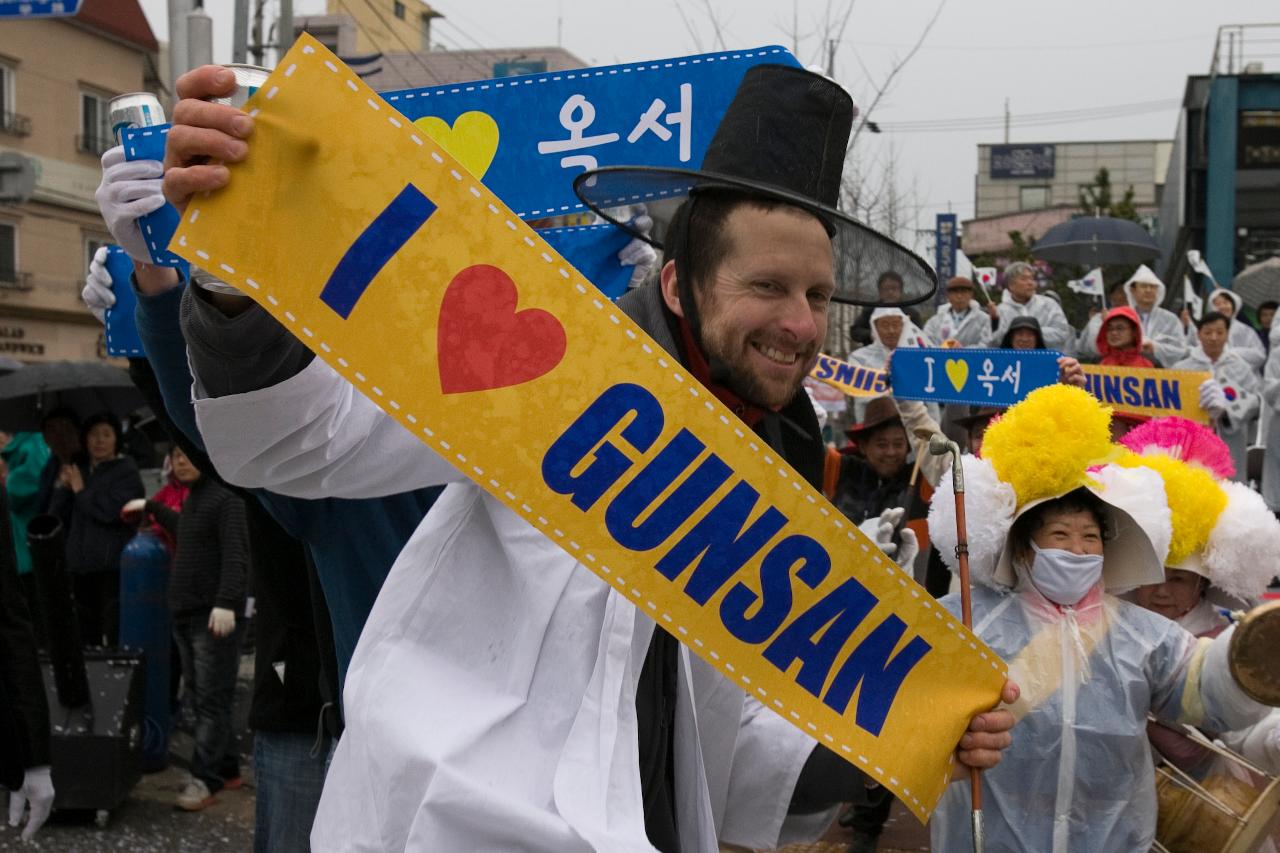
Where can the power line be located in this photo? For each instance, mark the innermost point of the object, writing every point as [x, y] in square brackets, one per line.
[407, 82]
[958, 125]
[1039, 48]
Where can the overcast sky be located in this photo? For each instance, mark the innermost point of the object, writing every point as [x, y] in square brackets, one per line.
[1044, 57]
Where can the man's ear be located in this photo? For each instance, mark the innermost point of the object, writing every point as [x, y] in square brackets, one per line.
[670, 288]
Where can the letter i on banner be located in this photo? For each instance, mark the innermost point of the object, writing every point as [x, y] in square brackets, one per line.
[418, 285]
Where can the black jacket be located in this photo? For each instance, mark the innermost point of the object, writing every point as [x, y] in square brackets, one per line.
[24, 713]
[95, 533]
[861, 493]
[211, 557]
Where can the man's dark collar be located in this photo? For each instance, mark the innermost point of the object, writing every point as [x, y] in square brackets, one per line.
[697, 363]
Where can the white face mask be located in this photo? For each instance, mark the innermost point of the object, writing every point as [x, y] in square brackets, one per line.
[1064, 577]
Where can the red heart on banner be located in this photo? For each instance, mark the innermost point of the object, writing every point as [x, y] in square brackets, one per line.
[484, 342]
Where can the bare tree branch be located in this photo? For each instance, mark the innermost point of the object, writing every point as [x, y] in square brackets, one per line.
[896, 69]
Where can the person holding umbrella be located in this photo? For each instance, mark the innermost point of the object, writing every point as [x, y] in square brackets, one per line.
[1162, 335]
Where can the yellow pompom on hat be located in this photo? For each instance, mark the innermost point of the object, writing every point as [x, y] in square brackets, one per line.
[1195, 501]
[1044, 446]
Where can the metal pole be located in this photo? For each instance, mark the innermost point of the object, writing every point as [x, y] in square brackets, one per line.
[940, 445]
[240, 32]
[284, 28]
[199, 38]
[178, 63]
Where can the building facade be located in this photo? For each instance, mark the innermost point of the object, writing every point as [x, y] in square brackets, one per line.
[56, 78]
[1030, 187]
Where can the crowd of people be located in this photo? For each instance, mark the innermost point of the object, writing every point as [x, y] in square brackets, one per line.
[431, 672]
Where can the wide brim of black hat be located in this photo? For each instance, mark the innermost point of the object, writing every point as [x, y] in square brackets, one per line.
[862, 255]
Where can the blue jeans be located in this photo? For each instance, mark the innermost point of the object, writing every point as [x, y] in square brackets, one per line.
[209, 668]
[289, 781]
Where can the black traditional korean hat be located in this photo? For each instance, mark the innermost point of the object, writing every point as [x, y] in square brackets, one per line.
[783, 137]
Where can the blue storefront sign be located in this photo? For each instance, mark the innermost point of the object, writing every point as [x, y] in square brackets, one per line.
[1022, 161]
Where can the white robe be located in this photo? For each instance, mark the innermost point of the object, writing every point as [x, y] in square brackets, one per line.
[490, 702]
[1271, 401]
[1238, 425]
[1241, 337]
[1161, 326]
[1057, 332]
[971, 330]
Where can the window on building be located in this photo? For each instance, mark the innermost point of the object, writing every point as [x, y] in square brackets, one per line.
[10, 121]
[8, 253]
[1033, 198]
[95, 130]
[92, 243]
[398, 8]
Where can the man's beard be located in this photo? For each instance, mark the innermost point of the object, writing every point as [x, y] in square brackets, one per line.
[732, 371]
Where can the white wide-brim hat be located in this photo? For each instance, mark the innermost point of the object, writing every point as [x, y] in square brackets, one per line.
[1139, 524]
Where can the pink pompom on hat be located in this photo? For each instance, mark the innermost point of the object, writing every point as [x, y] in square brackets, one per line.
[1184, 440]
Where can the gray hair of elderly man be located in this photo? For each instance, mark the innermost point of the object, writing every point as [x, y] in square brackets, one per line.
[1017, 269]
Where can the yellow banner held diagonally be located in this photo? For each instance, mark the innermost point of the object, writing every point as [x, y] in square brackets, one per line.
[413, 281]
[854, 380]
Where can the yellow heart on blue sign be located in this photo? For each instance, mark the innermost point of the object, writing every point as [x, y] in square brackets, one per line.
[472, 140]
[957, 372]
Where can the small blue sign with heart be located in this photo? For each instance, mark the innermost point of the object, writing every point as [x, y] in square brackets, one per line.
[979, 377]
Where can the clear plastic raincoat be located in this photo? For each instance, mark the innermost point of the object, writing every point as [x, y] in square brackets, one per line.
[1079, 776]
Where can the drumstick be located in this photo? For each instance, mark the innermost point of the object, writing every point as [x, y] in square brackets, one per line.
[940, 445]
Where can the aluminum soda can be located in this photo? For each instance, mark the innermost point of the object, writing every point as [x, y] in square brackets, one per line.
[136, 109]
[248, 79]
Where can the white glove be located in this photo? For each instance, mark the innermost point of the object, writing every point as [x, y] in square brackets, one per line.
[98, 293]
[880, 529]
[638, 253]
[37, 791]
[128, 191]
[1212, 398]
[221, 622]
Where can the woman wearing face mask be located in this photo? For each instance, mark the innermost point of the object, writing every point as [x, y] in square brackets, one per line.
[1061, 520]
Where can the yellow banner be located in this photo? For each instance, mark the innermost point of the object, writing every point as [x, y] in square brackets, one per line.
[414, 282]
[1149, 391]
[853, 379]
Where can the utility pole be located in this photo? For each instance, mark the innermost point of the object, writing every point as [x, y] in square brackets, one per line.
[240, 32]
[831, 58]
[1006, 120]
[795, 27]
[284, 29]
[258, 49]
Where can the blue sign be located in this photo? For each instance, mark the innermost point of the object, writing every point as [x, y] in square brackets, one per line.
[593, 251]
[945, 243]
[121, 328]
[147, 143]
[1022, 161]
[528, 137]
[39, 8]
[979, 377]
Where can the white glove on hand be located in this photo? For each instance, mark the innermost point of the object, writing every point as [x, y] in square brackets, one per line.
[37, 791]
[880, 529]
[98, 293]
[128, 191]
[221, 622]
[638, 253]
[1212, 398]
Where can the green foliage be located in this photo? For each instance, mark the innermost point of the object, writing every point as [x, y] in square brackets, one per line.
[1097, 199]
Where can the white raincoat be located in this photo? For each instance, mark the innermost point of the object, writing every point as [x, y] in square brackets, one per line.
[1057, 332]
[490, 702]
[876, 354]
[1241, 337]
[1161, 326]
[1271, 399]
[1079, 775]
[1087, 340]
[1240, 381]
[973, 329]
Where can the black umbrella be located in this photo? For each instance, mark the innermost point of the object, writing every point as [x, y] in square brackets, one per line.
[86, 387]
[1091, 241]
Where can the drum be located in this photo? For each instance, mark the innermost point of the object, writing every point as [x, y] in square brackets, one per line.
[1231, 810]
[1255, 666]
